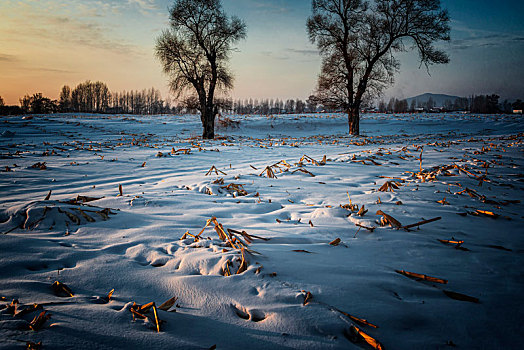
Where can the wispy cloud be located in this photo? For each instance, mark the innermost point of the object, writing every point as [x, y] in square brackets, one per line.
[7, 58]
[59, 24]
[474, 38]
[305, 52]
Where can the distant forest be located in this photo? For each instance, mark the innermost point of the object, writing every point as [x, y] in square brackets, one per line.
[483, 104]
[95, 97]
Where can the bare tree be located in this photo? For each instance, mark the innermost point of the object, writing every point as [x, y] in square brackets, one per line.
[195, 50]
[357, 40]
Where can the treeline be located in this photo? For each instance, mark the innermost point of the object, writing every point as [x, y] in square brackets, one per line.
[402, 106]
[253, 106]
[482, 104]
[93, 97]
[273, 106]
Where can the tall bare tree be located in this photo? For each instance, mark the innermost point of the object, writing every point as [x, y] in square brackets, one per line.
[195, 50]
[357, 40]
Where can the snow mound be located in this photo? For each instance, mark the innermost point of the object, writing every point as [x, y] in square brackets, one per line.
[48, 214]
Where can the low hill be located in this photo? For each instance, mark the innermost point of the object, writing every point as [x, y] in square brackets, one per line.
[439, 99]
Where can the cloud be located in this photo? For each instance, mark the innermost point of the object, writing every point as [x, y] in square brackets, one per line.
[275, 56]
[147, 5]
[305, 52]
[68, 24]
[474, 38]
[490, 40]
[7, 58]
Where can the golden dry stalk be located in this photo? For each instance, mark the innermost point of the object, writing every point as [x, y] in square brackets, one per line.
[443, 201]
[307, 298]
[446, 241]
[389, 186]
[61, 290]
[168, 304]
[419, 276]
[33, 346]
[335, 242]
[214, 168]
[362, 211]
[303, 171]
[243, 264]
[269, 173]
[389, 220]
[226, 271]
[357, 334]
[157, 322]
[39, 320]
[357, 319]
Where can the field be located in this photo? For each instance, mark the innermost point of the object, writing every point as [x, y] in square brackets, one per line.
[313, 237]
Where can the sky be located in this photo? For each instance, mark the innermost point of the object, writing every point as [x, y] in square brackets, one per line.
[45, 44]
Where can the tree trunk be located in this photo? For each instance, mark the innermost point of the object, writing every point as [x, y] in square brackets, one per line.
[354, 121]
[208, 123]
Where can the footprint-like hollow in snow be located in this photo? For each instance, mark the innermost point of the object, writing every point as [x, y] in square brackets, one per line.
[252, 315]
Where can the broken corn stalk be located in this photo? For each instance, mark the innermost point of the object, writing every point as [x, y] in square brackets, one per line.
[307, 297]
[367, 338]
[389, 220]
[335, 242]
[39, 321]
[61, 289]
[168, 304]
[421, 277]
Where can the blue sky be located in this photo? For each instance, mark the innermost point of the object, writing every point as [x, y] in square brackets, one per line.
[47, 43]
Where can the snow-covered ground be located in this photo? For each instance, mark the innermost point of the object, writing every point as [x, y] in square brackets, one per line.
[294, 289]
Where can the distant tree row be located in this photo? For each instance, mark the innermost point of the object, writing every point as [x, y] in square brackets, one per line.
[93, 97]
[272, 106]
[483, 104]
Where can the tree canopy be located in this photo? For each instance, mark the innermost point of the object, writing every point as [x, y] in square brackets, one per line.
[357, 40]
[195, 50]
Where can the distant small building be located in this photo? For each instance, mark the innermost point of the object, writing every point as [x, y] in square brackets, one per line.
[517, 111]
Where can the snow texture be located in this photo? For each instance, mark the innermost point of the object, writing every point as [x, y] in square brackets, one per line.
[130, 193]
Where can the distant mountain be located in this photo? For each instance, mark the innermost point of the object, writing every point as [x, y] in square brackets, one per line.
[439, 99]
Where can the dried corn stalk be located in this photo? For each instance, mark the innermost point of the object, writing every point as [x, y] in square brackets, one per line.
[419, 276]
[303, 171]
[356, 335]
[307, 298]
[243, 263]
[269, 173]
[389, 186]
[308, 159]
[168, 304]
[357, 319]
[362, 211]
[423, 222]
[61, 290]
[335, 242]
[38, 321]
[213, 168]
[388, 220]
